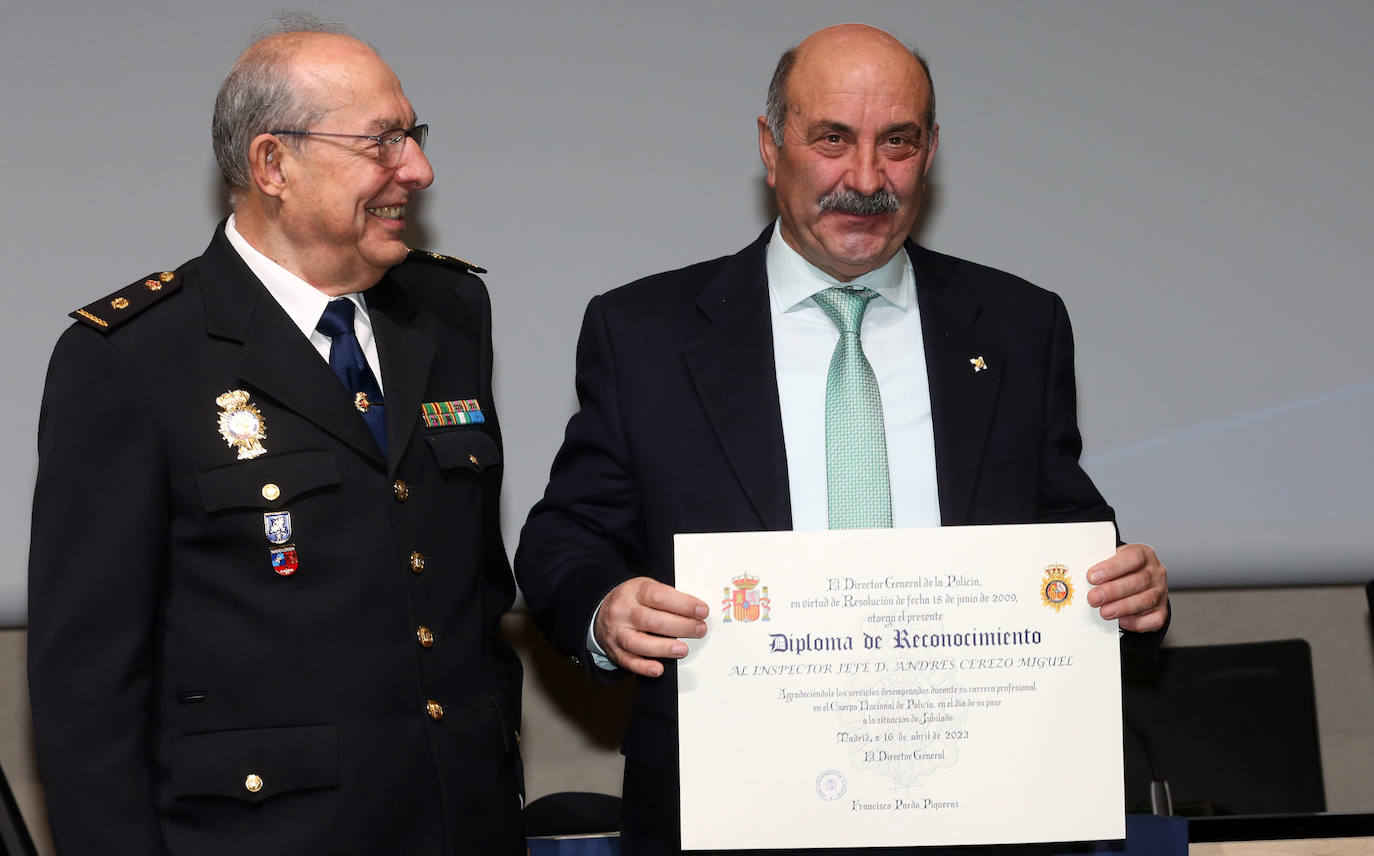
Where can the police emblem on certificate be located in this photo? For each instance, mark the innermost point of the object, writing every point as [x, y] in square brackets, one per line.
[916, 687]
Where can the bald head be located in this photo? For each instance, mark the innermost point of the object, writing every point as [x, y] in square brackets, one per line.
[834, 49]
[847, 141]
[320, 148]
[275, 84]
[323, 67]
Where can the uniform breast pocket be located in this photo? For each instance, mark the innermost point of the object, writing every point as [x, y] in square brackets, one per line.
[464, 449]
[269, 481]
[255, 764]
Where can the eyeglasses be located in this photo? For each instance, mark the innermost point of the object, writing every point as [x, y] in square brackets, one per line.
[391, 144]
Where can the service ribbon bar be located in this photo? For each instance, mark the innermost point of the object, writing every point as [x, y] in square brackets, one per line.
[441, 413]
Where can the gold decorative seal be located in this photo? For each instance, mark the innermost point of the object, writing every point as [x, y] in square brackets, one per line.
[240, 424]
[1056, 590]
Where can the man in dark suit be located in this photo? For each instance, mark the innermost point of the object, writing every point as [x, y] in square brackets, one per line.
[702, 394]
[266, 567]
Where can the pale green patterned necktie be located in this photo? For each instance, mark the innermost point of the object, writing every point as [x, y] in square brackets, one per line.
[855, 441]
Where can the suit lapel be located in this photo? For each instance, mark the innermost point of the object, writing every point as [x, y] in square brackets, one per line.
[406, 355]
[732, 367]
[962, 396]
[277, 360]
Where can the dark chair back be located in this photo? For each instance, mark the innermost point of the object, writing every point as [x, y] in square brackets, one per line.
[572, 813]
[1231, 728]
[14, 835]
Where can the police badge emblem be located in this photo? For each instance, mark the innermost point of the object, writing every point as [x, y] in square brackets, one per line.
[241, 424]
[831, 785]
[1056, 591]
[277, 525]
[285, 561]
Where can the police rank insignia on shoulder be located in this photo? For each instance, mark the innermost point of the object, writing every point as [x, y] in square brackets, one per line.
[241, 424]
[109, 312]
[451, 261]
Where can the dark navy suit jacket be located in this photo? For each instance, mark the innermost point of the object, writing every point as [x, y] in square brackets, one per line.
[680, 431]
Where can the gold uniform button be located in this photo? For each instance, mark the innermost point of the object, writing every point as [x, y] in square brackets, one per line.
[417, 561]
[473, 458]
[402, 490]
[425, 635]
[253, 783]
[270, 492]
[434, 709]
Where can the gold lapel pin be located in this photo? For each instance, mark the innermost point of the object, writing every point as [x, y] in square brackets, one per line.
[978, 364]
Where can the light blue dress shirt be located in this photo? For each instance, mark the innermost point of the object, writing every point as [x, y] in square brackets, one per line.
[804, 338]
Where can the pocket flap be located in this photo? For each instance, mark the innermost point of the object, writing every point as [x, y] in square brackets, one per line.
[255, 764]
[267, 482]
[469, 449]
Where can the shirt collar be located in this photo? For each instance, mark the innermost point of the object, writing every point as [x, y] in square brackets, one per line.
[792, 279]
[303, 302]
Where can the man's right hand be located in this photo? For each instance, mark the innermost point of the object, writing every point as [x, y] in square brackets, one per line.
[643, 621]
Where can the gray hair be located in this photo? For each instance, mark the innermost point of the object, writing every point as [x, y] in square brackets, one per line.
[260, 94]
[776, 107]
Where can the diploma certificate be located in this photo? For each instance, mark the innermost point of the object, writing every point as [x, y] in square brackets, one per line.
[899, 687]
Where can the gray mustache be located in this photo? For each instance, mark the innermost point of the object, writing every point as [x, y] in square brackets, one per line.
[852, 202]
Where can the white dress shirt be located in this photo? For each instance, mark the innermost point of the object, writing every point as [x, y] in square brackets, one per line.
[305, 303]
[804, 338]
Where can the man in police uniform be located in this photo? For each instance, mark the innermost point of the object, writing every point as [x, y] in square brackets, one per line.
[266, 569]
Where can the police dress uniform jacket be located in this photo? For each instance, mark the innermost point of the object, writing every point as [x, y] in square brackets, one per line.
[680, 430]
[194, 693]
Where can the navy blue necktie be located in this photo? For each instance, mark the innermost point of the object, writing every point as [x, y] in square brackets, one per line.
[347, 361]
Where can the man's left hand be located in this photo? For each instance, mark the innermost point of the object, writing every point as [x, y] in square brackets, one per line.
[1131, 586]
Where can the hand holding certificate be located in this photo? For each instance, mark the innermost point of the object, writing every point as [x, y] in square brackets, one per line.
[899, 687]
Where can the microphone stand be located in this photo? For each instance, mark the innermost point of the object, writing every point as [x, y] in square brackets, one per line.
[1161, 800]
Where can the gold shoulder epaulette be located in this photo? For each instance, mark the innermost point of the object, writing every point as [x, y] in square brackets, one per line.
[113, 310]
[452, 261]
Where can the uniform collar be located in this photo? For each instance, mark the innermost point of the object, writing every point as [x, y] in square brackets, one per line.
[303, 302]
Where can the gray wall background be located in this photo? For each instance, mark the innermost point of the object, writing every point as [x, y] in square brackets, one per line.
[1193, 178]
